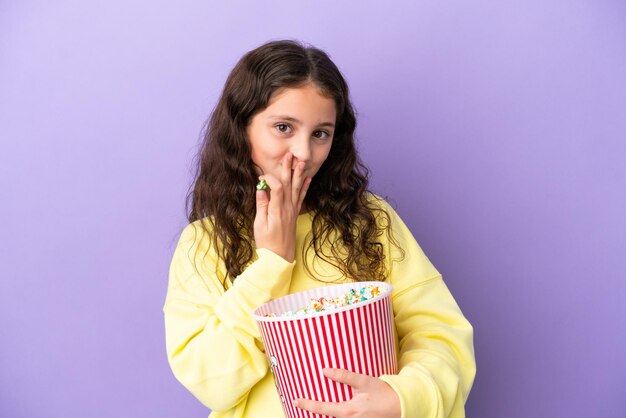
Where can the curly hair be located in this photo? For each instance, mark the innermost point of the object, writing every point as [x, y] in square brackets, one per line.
[346, 225]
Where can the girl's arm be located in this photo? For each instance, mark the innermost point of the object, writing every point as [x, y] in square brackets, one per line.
[436, 356]
[436, 353]
[213, 344]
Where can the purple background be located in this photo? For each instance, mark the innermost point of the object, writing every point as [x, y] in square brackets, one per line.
[497, 130]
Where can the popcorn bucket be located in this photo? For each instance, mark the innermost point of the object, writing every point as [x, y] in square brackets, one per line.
[358, 337]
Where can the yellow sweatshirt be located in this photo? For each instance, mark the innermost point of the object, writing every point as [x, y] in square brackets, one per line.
[214, 346]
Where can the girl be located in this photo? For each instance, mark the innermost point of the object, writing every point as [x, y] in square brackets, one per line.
[285, 117]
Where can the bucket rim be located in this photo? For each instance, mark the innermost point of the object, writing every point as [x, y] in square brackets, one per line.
[384, 294]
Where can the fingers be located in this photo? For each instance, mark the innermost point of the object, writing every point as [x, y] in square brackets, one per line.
[303, 190]
[333, 409]
[355, 380]
[260, 220]
[262, 204]
[288, 187]
[276, 191]
[372, 397]
[285, 172]
[293, 180]
[291, 186]
[297, 182]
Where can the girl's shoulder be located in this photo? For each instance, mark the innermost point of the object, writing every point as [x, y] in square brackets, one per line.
[197, 231]
[379, 205]
[198, 238]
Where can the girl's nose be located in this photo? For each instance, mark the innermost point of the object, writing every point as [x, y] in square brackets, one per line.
[301, 148]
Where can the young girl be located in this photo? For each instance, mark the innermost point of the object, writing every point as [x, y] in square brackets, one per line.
[285, 117]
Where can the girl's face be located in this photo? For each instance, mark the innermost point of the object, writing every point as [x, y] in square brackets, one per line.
[297, 120]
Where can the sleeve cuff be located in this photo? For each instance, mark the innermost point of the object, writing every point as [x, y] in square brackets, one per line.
[269, 275]
[266, 278]
[417, 399]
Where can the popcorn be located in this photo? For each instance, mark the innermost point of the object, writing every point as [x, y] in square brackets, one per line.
[322, 303]
[262, 185]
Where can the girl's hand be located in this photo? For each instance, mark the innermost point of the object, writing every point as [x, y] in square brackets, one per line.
[372, 398]
[277, 211]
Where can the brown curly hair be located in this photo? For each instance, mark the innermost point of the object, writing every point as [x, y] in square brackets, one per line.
[347, 224]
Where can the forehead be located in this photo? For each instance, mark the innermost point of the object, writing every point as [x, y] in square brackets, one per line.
[307, 101]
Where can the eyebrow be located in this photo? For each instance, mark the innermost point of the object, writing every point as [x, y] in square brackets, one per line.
[298, 122]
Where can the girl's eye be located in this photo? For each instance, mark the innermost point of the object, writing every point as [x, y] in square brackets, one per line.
[284, 128]
[324, 135]
[281, 128]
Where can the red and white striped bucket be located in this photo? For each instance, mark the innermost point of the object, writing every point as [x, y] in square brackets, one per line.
[358, 337]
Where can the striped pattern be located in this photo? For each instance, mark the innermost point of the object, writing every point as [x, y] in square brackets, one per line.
[359, 338]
